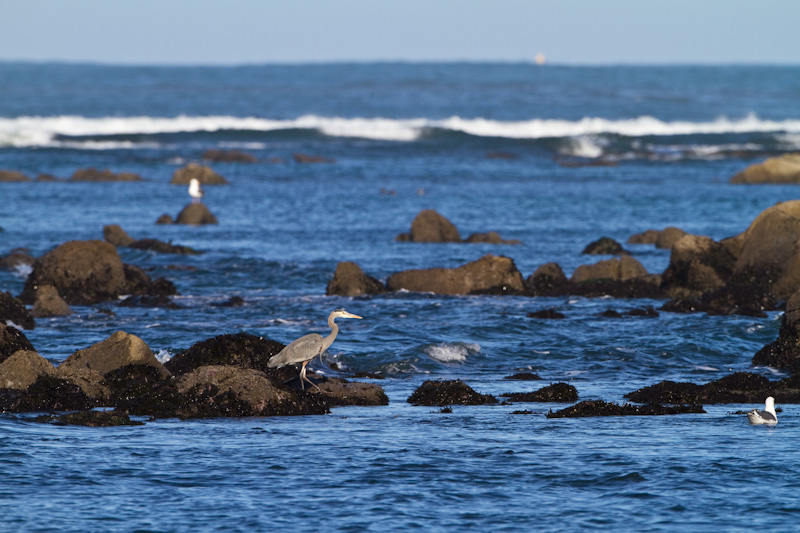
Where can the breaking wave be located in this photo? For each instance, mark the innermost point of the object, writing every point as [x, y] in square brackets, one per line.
[451, 353]
[110, 132]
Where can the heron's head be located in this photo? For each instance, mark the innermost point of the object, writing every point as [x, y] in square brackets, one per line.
[341, 313]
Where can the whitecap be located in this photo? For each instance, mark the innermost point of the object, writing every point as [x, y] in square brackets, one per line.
[23, 270]
[163, 356]
[706, 368]
[451, 353]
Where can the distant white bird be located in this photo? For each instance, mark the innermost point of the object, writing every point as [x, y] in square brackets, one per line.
[767, 416]
[195, 191]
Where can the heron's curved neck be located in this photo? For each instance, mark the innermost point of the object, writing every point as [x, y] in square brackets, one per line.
[327, 341]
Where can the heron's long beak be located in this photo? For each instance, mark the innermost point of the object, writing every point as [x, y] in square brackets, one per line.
[350, 315]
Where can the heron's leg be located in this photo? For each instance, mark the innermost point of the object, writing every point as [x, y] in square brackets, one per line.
[303, 376]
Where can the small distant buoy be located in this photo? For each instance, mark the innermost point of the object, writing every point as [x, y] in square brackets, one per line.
[540, 58]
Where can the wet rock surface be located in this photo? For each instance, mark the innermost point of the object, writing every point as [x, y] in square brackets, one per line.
[556, 392]
[12, 340]
[604, 246]
[450, 392]
[350, 280]
[588, 408]
[488, 273]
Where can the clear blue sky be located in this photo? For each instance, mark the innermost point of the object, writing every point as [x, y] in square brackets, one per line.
[270, 31]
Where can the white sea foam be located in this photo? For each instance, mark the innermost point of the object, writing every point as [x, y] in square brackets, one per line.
[163, 356]
[43, 131]
[452, 353]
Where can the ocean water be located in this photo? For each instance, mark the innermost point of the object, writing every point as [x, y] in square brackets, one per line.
[403, 138]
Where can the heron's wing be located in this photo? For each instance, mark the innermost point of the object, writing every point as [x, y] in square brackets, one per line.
[303, 349]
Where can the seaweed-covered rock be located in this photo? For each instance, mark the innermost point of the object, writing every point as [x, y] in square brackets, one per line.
[556, 392]
[784, 352]
[524, 376]
[23, 368]
[91, 382]
[604, 246]
[240, 349]
[12, 340]
[448, 393]
[93, 419]
[486, 274]
[143, 390]
[350, 280]
[344, 392]
[588, 408]
[13, 310]
[739, 387]
[118, 350]
[231, 391]
[83, 272]
[205, 175]
[47, 393]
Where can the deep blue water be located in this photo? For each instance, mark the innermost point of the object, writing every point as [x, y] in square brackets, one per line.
[677, 135]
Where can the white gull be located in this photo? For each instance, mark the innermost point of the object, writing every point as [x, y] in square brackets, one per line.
[767, 416]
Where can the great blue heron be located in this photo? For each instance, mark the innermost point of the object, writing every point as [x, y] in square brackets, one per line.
[307, 347]
[767, 416]
[195, 191]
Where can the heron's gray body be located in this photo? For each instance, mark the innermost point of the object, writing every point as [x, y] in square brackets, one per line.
[308, 347]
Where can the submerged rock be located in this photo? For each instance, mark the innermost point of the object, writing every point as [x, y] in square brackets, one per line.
[305, 158]
[550, 314]
[496, 274]
[448, 393]
[524, 376]
[588, 408]
[350, 280]
[556, 392]
[10, 176]
[89, 419]
[229, 156]
[490, 237]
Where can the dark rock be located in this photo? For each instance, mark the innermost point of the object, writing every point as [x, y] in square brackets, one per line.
[343, 392]
[368, 375]
[92, 174]
[241, 350]
[165, 219]
[611, 313]
[12, 340]
[647, 312]
[196, 214]
[622, 269]
[740, 387]
[600, 408]
[11, 309]
[114, 234]
[497, 154]
[119, 350]
[47, 393]
[430, 226]
[83, 272]
[697, 265]
[784, 352]
[90, 419]
[143, 390]
[47, 177]
[668, 237]
[48, 303]
[305, 158]
[548, 279]
[148, 300]
[604, 246]
[491, 237]
[229, 156]
[161, 247]
[557, 392]
[448, 393]
[23, 368]
[547, 314]
[524, 376]
[233, 301]
[231, 391]
[488, 272]
[203, 174]
[350, 280]
[646, 237]
[9, 176]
